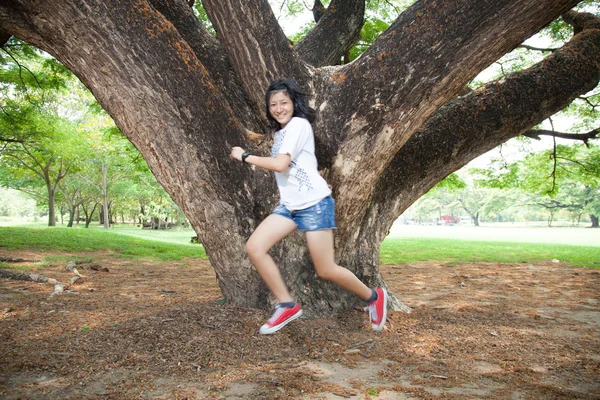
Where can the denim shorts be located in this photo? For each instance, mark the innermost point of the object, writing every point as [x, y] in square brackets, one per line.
[319, 217]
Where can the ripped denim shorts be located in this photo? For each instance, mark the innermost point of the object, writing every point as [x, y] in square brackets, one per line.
[319, 217]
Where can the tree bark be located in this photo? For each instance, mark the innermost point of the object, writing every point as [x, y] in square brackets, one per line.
[337, 30]
[184, 98]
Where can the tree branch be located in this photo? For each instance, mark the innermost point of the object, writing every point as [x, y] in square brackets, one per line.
[337, 30]
[554, 164]
[587, 100]
[211, 54]
[527, 47]
[581, 21]
[249, 32]
[584, 137]
[478, 122]
[318, 11]
[422, 61]
[4, 37]
[10, 140]
[15, 155]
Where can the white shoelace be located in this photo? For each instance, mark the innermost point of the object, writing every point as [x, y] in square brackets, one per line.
[278, 311]
[372, 308]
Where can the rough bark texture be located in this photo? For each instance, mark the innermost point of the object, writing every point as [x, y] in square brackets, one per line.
[337, 30]
[184, 99]
[4, 36]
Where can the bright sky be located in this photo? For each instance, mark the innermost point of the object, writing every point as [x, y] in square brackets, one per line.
[291, 25]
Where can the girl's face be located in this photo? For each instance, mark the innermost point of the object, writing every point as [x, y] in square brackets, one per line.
[281, 108]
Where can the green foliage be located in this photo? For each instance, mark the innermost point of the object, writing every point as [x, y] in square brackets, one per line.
[24, 68]
[452, 182]
[564, 178]
[370, 31]
[559, 31]
[89, 240]
[544, 172]
[200, 13]
[379, 14]
[302, 32]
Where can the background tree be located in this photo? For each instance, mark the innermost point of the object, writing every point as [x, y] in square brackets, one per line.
[391, 124]
[562, 178]
[37, 145]
[45, 159]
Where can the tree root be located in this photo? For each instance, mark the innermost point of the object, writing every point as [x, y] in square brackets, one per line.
[23, 276]
[15, 259]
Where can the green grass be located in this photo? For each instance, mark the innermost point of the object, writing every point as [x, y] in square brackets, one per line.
[76, 240]
[122, 243]
[410, 250]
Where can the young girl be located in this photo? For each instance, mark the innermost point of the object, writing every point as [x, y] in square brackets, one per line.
[305, 204]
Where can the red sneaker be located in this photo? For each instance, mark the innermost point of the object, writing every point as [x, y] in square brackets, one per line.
[280, 318]
[378, 309]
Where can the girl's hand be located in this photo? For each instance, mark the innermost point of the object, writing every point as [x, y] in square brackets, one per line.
[236, 153]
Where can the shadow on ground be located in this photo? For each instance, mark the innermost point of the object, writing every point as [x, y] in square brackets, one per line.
[158, 331]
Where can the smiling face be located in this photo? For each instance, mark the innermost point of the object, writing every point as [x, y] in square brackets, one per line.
[281, 107]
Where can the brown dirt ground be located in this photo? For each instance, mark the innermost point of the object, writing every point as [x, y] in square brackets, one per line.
[157, 330]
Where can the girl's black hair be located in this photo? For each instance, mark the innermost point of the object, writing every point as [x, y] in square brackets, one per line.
[299, 99]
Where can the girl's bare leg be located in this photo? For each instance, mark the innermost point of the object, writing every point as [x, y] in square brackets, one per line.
[273, 229]
[320, 245]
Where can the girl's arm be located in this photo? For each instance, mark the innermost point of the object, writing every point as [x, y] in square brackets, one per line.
[277, 164]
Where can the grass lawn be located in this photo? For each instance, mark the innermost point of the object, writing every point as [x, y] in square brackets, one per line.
[455, 251]
[76, 240]
[131, 242]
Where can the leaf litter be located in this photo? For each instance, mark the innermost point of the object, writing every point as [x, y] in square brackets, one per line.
[160, 330]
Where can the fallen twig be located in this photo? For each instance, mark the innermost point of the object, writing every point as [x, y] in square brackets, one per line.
[275, 383]
[438, 376]
[15, 259]
[370, 346]
[347, 396]
[352, 346]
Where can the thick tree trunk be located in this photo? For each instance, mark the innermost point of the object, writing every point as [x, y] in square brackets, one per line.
[594, 221]
[184, 99]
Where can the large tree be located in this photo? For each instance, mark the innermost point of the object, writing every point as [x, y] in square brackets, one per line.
[390, 124]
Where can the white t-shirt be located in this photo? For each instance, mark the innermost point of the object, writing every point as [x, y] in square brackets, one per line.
[300, 185]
